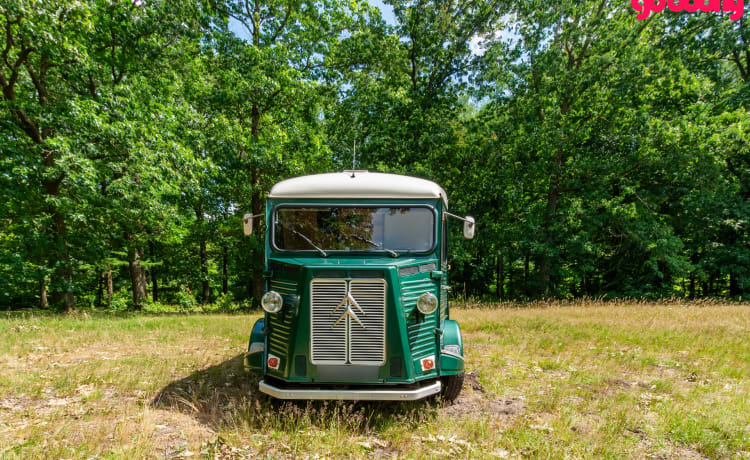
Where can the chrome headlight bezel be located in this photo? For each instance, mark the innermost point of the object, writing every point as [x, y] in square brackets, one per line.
[272, 302]
[427, 303]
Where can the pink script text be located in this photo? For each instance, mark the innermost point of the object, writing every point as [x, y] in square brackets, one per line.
[644, 7]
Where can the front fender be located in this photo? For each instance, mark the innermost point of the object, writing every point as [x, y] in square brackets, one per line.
[254, 358]
[451, 349]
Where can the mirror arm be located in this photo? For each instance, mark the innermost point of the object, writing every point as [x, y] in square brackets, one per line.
[245, 217]
[455, 216]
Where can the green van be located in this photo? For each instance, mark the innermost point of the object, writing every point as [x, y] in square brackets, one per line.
[356, 302]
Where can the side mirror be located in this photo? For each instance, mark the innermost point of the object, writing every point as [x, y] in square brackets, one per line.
[247, 224]
[469, 228]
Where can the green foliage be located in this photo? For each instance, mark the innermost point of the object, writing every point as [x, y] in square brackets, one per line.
[185, 299]
[601, 155]
[226, 302]
[121, 301]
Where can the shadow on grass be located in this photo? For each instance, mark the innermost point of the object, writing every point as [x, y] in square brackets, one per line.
[224, 396]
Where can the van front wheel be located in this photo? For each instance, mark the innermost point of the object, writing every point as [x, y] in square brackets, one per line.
[451, 387]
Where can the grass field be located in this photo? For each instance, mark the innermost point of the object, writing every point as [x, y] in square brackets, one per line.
[581, 380]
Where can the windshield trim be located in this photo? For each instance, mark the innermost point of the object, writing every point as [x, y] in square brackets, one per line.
[357, 251]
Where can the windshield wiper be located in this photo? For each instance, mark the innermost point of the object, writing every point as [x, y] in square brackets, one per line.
[377, 245]
[309, 241]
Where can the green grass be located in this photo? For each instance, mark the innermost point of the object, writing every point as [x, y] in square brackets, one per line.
[586, 380]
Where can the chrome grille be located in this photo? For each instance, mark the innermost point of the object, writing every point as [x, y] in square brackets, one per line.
[345, 332]
[367, 344]
[328, 338]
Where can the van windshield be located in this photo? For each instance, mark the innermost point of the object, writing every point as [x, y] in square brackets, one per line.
[347, 228]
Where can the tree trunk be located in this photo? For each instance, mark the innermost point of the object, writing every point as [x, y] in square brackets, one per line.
[734, 286]
[154, 285]
[63, 292]
[544, 264]
[692, 286]
[256, 204]
[250, 287]
[99, 290]
[510, 276]
[154, 278]
[204, 272]
[43, 304]
[63, 273]
[137, 278]
[108, 278]
[224, 272]
[583, 286]
[500, 276]
[526, 289]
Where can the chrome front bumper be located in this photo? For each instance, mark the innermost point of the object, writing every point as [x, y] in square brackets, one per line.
[386, 394]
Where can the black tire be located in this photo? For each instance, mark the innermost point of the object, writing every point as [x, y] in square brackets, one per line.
[451, 387]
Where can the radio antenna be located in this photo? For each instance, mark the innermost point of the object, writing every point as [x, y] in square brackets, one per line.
[354, 157]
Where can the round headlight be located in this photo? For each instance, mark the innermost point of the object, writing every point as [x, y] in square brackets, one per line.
[427, 303]
[272, 302]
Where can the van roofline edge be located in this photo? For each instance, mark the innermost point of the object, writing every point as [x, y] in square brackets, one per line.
[361, 185]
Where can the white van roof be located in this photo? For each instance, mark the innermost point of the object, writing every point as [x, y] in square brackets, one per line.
[358, 184]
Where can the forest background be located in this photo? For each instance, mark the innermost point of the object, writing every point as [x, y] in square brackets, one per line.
[602, 156]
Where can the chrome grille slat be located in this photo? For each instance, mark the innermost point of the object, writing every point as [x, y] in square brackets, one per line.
[348, 342]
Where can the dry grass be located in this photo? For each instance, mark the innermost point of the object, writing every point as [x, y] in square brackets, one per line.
[579, 380]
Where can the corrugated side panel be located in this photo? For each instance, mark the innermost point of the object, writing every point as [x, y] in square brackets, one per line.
[422, 333]
[279, 340]
[443, 305]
